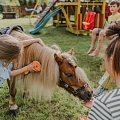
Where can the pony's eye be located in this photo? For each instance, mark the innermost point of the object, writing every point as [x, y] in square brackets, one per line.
[69, 74]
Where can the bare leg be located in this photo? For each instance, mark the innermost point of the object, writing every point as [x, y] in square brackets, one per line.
[93, 40]
[100, 41]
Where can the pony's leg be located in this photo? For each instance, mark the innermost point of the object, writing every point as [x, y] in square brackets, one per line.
[12, 90]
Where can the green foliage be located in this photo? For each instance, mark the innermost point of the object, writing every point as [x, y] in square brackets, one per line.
[43, 3]
[35, 1]
[24, 2]
[21, 2]
[27, 2]
[30, 2]
[1, 8]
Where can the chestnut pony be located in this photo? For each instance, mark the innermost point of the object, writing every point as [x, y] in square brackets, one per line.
[57, 69]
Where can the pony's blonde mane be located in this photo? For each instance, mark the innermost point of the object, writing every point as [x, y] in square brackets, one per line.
[81, 75]
[41, 84]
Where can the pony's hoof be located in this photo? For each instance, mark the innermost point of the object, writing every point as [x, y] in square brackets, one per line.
[14, 112]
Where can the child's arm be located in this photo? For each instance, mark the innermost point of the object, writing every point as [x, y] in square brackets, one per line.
[89, 103]
[22, 70]
[31, 41]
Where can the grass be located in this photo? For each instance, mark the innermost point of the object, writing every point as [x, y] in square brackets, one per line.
[63, 106]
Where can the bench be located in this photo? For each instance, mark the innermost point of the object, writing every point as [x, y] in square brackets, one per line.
[9, 15]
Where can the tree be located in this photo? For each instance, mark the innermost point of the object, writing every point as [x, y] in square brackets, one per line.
[30, 2]
[21, 2]
[35, 2]
[24, 2]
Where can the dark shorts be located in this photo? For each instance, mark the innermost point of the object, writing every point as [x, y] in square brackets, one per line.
[99, 29]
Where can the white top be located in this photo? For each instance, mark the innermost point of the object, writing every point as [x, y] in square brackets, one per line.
[39, 9]
[106, 107]
[5, 71]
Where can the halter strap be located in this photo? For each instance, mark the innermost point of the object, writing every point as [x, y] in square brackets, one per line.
[75, 92]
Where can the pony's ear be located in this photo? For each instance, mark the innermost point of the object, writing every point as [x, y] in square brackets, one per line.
[58, 58]
[71, 51]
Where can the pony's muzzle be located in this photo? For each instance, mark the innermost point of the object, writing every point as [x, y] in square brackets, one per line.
[85, 95]
[89, 95]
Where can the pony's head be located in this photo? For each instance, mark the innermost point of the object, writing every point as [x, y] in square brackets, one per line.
[72, 78]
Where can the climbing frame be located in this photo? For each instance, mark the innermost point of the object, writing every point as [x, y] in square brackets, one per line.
[76, 26]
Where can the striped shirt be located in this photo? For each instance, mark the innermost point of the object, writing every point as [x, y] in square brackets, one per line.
[106, 107]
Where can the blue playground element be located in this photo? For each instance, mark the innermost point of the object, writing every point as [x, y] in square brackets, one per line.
[43, 22]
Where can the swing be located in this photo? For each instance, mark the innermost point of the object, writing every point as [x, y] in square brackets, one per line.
[88, 19]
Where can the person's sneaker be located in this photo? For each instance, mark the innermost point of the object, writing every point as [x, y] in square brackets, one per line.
[26, 9]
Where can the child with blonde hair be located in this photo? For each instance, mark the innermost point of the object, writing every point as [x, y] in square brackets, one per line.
[10, 50]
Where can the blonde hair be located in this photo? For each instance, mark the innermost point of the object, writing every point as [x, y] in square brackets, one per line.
[10, 48]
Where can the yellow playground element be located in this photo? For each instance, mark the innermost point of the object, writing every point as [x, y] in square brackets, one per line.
[79, 17]
[104, 83]
[75, 25]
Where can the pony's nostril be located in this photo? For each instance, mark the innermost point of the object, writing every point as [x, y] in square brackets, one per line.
[89, 94]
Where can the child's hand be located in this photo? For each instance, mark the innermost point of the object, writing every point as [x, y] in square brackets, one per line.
[40, 41]
[35, 66]
[30, 68]
[88, 104]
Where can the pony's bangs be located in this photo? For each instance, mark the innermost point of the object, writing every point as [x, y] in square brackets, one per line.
[80, 74]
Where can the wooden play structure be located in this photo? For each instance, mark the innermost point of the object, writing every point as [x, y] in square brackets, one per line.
[75, 25]
[78, 17]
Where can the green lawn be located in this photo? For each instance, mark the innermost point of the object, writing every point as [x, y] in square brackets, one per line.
[63, 106]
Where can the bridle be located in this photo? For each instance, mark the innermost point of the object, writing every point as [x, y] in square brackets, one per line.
[74, 92]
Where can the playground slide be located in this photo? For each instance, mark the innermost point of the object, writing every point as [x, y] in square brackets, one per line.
[44, 13]
[44, 21]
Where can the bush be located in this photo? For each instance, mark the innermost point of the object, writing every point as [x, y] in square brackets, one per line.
[1, 8]
[30, 3]
[23, 2]
[34, 3]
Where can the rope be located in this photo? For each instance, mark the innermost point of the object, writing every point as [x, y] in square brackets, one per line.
[103, 89]
[93, 6]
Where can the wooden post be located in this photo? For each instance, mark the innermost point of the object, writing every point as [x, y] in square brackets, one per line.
[67, 19]
[103, 14]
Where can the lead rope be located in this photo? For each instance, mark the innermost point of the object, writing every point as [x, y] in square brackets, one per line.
[103, 89]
